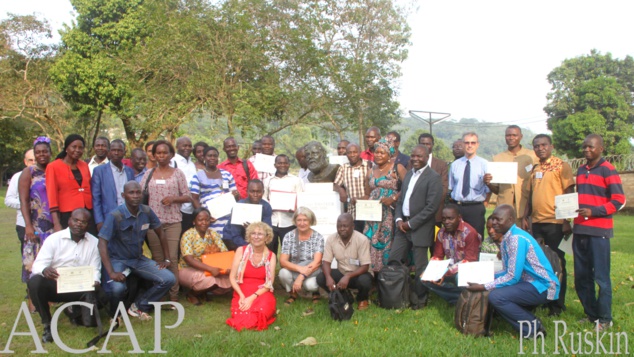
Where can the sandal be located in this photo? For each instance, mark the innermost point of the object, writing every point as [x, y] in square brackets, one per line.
[316, 297]
[291, 299]
[193, 299]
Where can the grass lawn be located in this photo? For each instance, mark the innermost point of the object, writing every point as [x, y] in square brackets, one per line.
[374, 332]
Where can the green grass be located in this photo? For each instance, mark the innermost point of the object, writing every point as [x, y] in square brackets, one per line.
[374, 332]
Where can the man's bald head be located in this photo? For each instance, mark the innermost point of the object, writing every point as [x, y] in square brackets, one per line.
[131, 185]
[503, 218]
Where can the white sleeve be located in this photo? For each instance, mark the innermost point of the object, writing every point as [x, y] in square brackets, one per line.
[13, 198]
[45, 256]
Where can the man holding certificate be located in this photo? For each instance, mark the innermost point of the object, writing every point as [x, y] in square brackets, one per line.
[458, 242]
[281, 192]
[352, 181]
[121, 248]
[549, 178]
[243, 213]
[416, 215]
[511, 193]
[72, 247]
[527, 278]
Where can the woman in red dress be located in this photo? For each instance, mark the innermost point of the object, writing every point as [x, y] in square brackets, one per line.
[252, 273]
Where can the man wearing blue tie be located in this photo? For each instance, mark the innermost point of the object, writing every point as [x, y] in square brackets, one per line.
[466, 182]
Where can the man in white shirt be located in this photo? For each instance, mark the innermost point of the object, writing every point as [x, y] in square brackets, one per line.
[416, 216]
[71, 247]
[182, 160]
[12, 199]
[101, 147]
[282, 181]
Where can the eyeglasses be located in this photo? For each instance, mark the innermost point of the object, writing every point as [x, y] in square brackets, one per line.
[470, 142]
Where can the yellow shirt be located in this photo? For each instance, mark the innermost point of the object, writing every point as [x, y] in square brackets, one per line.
[193, 244]
[512, 194]
[548, 180]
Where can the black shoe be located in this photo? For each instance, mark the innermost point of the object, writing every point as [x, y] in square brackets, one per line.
[554, 311]
[47, 336]
[541, 329]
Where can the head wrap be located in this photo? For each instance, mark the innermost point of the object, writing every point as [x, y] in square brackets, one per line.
[385, 145]
[42, 140]
[69, 140]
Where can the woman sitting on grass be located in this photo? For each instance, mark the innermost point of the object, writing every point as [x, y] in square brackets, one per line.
[301, 254]
[252, 274]
[195, 242]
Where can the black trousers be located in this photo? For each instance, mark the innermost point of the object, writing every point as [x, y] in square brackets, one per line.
[43, 291]
[474, 215]
[363, 283]
[21, 231]
[552, 234]
[278, 238]
[401, 246]
[187, 222]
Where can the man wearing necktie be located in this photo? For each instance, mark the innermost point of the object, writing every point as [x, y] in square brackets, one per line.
[416, 216]
[466, 182]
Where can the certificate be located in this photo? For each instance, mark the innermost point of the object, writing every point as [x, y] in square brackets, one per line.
[338, 159]
[75, 279]
[435, 270]
[319, 187]
[369, 210]
[221, 205]
[475, 272]
[503, 172]
[326, 206]
[566, 206]
[264, 163]
[283, 201]
[246, 213]
[488, 257]
[566, 245]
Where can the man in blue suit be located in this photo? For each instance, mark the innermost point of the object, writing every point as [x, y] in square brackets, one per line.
[107, 183]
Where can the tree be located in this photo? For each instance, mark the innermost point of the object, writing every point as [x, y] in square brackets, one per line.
[441, 150]
[592, 94]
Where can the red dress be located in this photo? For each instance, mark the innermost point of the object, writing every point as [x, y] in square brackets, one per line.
[262, 311]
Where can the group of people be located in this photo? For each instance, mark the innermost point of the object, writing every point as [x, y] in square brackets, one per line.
[148, 217]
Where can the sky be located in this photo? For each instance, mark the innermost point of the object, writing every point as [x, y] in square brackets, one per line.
[477, 59]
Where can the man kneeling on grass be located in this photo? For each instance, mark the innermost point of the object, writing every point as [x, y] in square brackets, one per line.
[352, 251]
[71, 247]
[121, 248]
[527, 278]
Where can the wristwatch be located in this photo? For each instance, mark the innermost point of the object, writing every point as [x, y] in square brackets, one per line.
[167, 261]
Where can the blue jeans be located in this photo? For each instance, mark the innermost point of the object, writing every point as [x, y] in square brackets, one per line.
[512, 303]
[592, 264]
[448, 290]
[146, 269]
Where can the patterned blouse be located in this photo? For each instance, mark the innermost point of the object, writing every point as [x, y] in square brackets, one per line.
[302, 251]
[175, 186]
[193, 244]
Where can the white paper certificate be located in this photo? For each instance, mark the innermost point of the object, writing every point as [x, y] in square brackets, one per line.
[325, 205]
[318, 187]
[283, 201]
[264, 163]
[338, 159]
[369, 210]
[566, 206]
[503, 172]
[488, 257]
[75, 279]
[435, 270]
[246, 213]
[475, 272]
[221, 205]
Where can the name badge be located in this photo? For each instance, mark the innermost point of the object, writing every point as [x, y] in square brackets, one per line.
[160, 182]
[529, 168]
[225, 185]
[539, 175]
[355, 261]
[145, 226]
[81, 190]
[356, 173]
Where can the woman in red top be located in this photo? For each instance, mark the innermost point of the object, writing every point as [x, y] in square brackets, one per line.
[68, 183]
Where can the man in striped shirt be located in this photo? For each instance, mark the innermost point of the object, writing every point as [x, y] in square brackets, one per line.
[600, 196]
[352, 181]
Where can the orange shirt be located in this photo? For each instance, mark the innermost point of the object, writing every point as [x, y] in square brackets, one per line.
[548, 180]
[64, 194]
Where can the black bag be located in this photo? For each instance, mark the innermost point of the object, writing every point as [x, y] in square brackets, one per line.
[146, 194]
[80, 315]
[554, 260]
[473, 313]
[394, 285]
[340, 304]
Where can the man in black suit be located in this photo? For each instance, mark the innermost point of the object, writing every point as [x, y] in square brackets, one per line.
[416, 209]
[441, 167]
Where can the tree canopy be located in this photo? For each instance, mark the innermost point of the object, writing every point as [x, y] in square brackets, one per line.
[592, 94]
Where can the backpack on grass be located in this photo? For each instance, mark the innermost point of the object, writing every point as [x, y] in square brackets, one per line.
[340, 304]
[473, 313]
[394, 285]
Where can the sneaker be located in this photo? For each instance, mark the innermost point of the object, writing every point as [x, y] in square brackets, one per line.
[135, 312]
[602, 326]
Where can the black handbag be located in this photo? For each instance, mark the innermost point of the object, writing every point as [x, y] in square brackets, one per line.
[340, 304]
[146, 193]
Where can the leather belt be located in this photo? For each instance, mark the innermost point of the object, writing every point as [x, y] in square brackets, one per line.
[467, 203]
